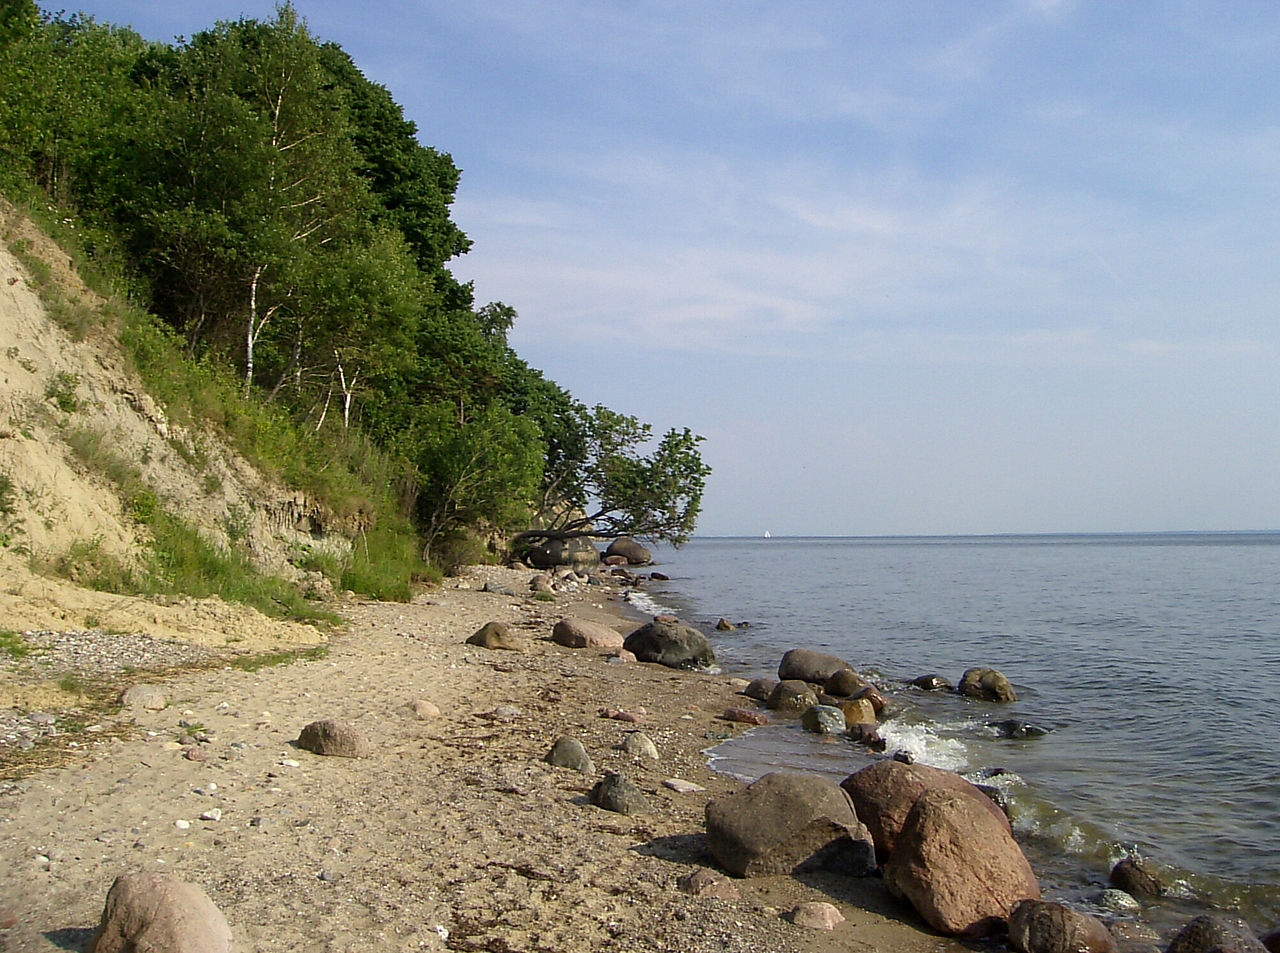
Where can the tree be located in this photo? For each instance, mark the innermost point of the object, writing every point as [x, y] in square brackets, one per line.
[615, 489]
[482, 468]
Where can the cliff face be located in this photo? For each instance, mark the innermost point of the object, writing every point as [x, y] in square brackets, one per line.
[71, 415]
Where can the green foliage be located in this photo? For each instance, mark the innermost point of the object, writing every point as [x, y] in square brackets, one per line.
[276, 212]
[473, 470]
[384, 560]
[252, 663]
[61, 389]
[619, 490]
[86, 562]
[13, 644]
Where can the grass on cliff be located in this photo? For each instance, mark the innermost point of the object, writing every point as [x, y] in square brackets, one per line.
[345, 473]
[178, 561]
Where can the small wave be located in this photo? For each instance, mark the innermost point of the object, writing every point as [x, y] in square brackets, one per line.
[641, 600]
[924, 744]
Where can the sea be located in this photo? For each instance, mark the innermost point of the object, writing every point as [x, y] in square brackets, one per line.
[1151, 662]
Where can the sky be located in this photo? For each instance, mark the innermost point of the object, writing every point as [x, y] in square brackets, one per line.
[1006, 266]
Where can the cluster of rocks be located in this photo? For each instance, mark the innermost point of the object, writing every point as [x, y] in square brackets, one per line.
[938, 841]
[581, 554]
[981, 682]
[665, 640]
[23, 730]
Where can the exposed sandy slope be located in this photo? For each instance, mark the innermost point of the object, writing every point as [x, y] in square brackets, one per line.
[57, 501]
[455, 825]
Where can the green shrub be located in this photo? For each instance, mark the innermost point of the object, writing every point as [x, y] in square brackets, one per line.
[61, 389]
[12, 643]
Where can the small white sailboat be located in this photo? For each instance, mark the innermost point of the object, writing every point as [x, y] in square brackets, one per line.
[768, 535]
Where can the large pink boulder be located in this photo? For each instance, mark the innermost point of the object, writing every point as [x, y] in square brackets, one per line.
[160, 915]
[585, 634]
[958, 865]
[884, 793]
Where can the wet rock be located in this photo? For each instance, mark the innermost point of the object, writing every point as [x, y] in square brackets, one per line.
[585, 634]
[1117, 901]
[958, 865]
[931, 683]
[987, 684]
[673, 644]
[872, 694]
[724, 625]
[786, 821]
[866, 735]
[1041, 926]
[823, 720]
[1013, 728]
[630, 550]
[498, 635]
[164, 914]
[885, 792]
[1137, 877]
[858, 711]
[615, 793]
[808, 665]
[792, 696]
[709, 884]
[760, 688]
[845, 683]
[570, 753]
[335, 739]
[1213, 930]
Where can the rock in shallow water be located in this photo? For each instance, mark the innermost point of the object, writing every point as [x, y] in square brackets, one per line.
[1041, 926]
[1204, 933]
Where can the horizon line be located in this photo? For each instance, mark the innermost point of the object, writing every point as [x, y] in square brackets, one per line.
[1008, 535]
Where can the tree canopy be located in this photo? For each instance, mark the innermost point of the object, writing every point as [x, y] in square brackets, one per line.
[276, 209]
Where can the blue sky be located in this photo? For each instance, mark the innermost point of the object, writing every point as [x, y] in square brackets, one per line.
[909, 267]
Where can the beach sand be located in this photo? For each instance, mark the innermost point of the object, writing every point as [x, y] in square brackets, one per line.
[455, 834]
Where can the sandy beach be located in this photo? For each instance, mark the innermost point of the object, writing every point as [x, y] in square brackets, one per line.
[455, 834]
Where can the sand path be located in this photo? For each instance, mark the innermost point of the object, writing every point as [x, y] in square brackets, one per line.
[454, 835]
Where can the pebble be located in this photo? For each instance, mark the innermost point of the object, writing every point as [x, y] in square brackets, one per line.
[680, 786]
[182, 825]
[213, 814]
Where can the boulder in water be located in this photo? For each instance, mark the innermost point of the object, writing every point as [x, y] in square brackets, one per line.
[1210, 931]
[1042, 926]
[808, 665]
[988, 684]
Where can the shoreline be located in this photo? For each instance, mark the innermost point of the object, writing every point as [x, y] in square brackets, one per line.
[1066, 874]
[455, 826]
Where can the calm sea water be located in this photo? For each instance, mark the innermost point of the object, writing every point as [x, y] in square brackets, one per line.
[1154, 661]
